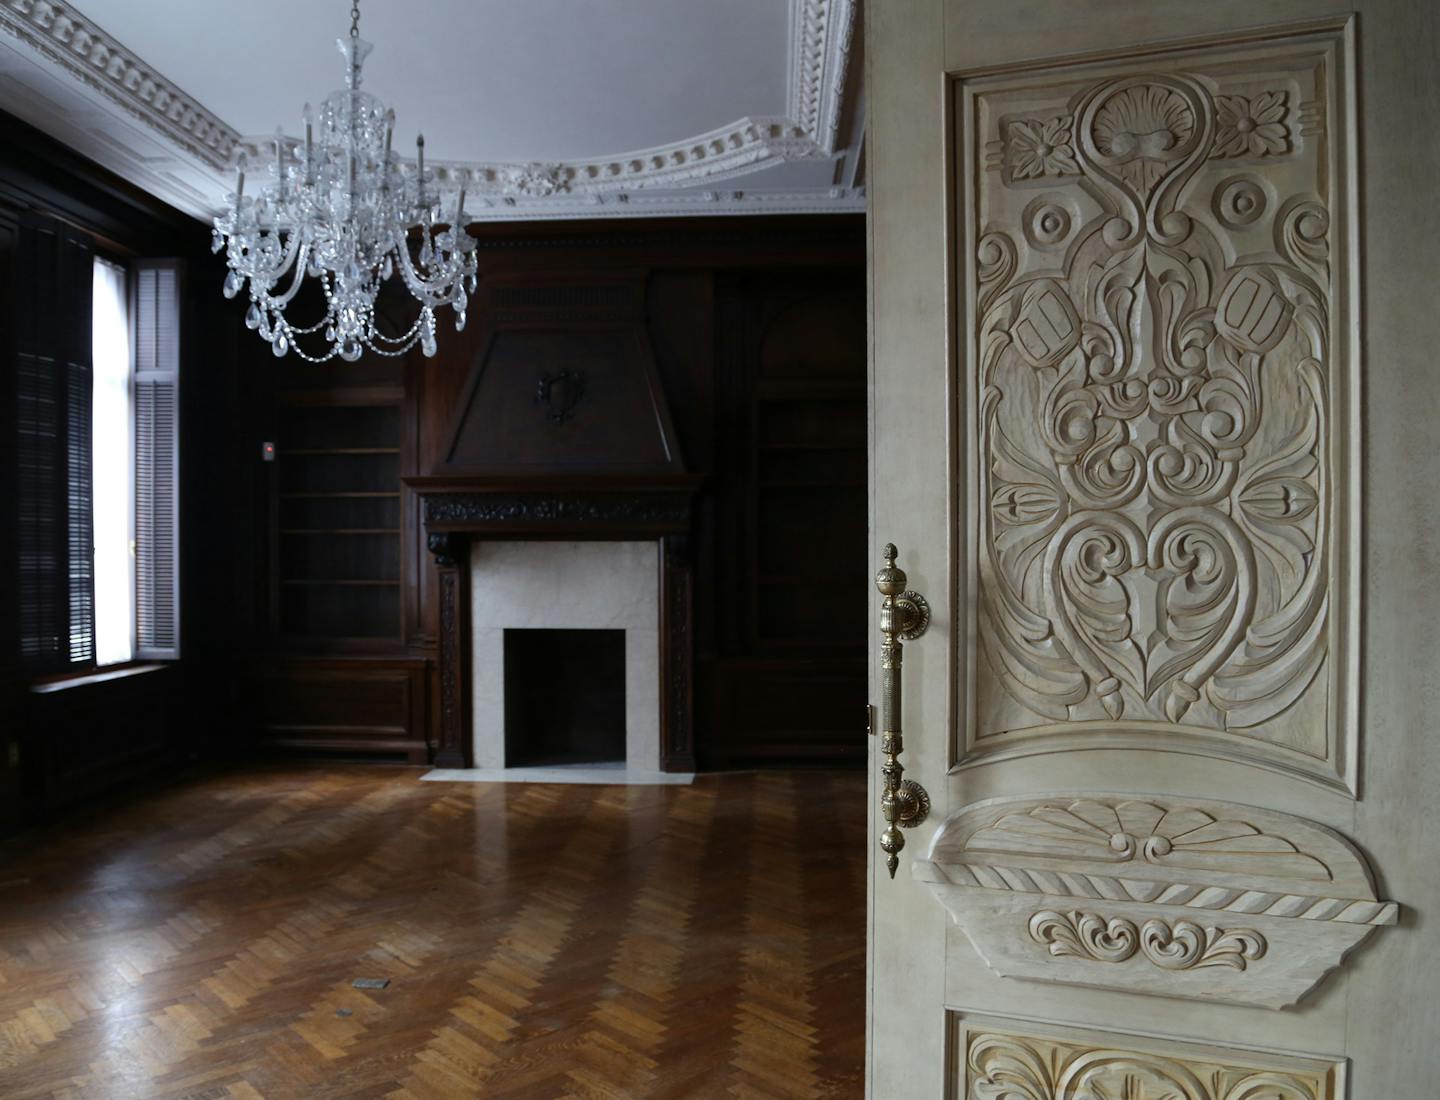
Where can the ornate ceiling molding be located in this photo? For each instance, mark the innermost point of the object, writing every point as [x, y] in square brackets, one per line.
[670, 179]
[820, 35]
[60, 33]
[720, 155]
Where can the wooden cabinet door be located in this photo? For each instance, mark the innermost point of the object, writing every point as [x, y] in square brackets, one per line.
[1153, 404]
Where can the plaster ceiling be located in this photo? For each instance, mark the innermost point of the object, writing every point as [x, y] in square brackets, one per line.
[541, 108]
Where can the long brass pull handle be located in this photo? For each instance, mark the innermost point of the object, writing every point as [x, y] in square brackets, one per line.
[903, 614]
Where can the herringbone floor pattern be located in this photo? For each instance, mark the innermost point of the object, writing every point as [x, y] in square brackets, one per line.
[540, 941]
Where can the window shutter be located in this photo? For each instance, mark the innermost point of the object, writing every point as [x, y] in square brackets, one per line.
[42, 596]
[53, 401]
[77, 280]
[156, 318]
[80, 535]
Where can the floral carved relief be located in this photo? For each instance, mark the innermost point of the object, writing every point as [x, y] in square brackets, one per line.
[1145, 123]
[1181, 945]
[1251, 126]
[1155, 376]
[1018, 1063]
[1041, 147]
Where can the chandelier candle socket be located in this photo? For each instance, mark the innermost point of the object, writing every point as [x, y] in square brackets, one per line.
[345, 215]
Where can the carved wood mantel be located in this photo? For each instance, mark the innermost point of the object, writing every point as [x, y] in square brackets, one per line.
[456, 511]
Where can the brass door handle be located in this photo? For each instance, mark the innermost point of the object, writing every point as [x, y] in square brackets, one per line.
[903, 615]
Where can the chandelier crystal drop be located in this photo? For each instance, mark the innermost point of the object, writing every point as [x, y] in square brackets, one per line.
[342, 209]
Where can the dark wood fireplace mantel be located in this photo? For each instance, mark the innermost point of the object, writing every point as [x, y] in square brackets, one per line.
[457, 510]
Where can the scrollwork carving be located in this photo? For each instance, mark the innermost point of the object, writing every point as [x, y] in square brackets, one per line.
[1024, 1063]
[557, 508]
[1185, 945]
[1153, 414]
[1085, 935]
[1181, 945]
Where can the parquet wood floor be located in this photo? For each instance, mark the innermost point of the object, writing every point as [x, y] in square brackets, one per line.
[540, 941]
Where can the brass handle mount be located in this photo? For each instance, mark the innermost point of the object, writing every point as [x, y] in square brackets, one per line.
[904, 615]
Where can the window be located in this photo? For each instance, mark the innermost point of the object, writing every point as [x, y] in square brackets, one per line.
[156, 317]
[110, 434]
[96, 437]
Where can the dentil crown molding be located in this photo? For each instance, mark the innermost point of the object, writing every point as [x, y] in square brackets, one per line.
[61, 34]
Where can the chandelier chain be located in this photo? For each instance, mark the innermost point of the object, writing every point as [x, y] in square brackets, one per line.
[354, 18]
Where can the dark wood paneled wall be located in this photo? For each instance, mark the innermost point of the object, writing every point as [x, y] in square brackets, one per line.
[753, 330]
[65, 744]
[733, 311]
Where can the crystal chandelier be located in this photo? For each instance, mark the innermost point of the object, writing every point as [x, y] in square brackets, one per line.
[342, 210]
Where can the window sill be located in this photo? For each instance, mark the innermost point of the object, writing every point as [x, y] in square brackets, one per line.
[98, 676]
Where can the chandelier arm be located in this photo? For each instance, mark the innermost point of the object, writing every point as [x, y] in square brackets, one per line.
[298, 262]
[267, 277]
[440, 289]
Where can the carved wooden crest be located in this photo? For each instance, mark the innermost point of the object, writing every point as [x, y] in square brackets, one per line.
[559, 392]
[1182, 898]
[1159, 354]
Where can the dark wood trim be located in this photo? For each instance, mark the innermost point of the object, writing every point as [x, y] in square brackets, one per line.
[527, 507]
[39, 173]
[97, 674]
[779, 240]
[345, 705]
[452, 555]
[677, 655]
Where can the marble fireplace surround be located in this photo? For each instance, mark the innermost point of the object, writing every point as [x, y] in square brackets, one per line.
[565, 586]
[650, 520]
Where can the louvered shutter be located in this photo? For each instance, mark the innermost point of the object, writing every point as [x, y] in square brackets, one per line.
[53, 491]
[38, 511]
[156, 319]
[78, 264]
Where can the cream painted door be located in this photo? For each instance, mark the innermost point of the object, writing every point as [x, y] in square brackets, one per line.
[1155, 329]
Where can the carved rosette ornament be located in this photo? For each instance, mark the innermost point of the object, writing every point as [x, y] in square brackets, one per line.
[1179, 898]
[1157, 364]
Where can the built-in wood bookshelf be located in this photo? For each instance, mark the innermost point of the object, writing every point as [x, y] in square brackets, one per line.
[809, 504]
[337, 521]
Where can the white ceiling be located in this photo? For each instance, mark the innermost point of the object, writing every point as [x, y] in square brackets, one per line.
[542, 108]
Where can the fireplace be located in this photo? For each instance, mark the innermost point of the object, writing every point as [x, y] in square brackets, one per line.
[611, 554]
[561, 466]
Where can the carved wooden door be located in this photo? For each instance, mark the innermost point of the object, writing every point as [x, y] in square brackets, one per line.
[1133, 268]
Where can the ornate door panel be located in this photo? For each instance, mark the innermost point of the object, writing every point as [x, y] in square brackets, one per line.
[1169, 715]
[1161, 293]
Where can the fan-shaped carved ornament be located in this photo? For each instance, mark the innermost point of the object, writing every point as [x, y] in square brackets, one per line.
[1182, 898]
[1159, 369]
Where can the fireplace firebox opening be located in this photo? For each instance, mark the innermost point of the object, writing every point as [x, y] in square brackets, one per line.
[564, 697]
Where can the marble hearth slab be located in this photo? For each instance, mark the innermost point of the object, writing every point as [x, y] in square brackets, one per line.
[612, 774]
